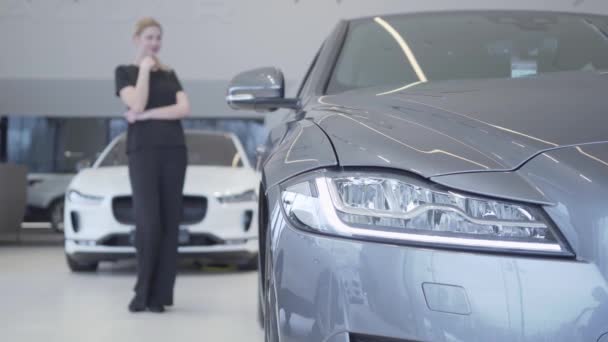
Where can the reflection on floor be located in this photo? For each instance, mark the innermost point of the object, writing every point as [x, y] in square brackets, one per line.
[43, 301]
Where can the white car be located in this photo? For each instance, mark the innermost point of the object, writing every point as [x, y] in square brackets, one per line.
[219, 216]
[45, 196]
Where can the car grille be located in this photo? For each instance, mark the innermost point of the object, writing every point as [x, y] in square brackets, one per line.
[125, 240]
[194, 209]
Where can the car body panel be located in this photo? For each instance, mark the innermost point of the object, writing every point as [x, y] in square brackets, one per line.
[576, 180]
[331, 285]
[46, 188]
[303, 147]
[114, 180]
[450, 127]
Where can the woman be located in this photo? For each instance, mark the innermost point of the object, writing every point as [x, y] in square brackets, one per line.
[157, 164]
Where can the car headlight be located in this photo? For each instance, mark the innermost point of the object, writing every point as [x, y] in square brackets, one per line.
[405, 209]
[247, 196]
[80, 198]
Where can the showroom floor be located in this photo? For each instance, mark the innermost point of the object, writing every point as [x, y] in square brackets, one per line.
[43, 301]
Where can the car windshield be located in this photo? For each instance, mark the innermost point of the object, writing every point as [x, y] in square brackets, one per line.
[406, 50]
[204, 149]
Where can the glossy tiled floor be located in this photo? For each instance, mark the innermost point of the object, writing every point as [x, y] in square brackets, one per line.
[41, 300]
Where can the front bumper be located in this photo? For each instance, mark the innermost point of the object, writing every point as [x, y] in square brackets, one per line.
[93, 233]
[231, 253]
[339, 290]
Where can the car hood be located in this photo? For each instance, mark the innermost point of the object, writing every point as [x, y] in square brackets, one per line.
[200, 180]
[440, 128]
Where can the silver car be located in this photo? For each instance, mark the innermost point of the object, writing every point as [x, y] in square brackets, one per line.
[439, 177]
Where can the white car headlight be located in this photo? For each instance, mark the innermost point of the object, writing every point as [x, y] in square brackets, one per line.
[408, 210]
[80, 198]
[246, 196]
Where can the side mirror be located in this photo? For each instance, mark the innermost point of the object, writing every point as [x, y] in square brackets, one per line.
[259, 90]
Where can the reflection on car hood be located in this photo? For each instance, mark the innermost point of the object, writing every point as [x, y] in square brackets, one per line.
[439, 128]
[203, 180]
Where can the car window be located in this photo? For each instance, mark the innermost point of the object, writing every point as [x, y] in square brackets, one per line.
[403, 50]
[203, 150]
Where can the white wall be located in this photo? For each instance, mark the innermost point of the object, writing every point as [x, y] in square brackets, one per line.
[204, 39]
[57, 57]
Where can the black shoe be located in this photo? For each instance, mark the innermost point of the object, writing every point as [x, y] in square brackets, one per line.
[157, 308]
[134, 306]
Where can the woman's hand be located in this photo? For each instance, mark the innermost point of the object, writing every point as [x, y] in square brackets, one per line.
[131, 116]
[148, 63]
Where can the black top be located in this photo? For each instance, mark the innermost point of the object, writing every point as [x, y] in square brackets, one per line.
[163, 88]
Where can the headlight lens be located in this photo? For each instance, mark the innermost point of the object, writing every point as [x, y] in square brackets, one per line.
[409, 210]
[247, 196]
[80, 198]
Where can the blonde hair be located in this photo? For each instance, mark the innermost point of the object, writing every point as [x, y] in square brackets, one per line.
[146, 22]
[143, 24]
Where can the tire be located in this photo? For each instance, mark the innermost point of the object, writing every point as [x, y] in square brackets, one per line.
[76, 266]
[56, 215]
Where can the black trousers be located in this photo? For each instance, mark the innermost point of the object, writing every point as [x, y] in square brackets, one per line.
[157, 180]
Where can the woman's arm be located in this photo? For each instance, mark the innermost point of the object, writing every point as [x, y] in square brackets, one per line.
[179, 110]
[136, 97]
